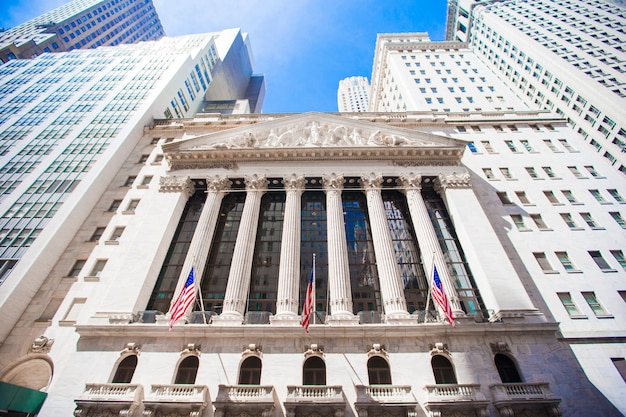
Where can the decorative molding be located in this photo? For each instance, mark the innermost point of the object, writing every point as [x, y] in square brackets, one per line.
[500, 347]
[217, 184]
[42, 344]
[133, 348]
[333, 182]
[454, 180]
[373, 181]
[377, 349]
[313, 350]
[439, 348]
[411, 180]
[191, 349]
[294, 182]
[252, 349]
[256, 183]
[176, 184]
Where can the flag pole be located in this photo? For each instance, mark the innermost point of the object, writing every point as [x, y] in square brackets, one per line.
[430, 287]
[199, 293]
[313, 294]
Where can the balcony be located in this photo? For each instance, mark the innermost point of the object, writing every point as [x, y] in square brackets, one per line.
[250, 399]
[114, 399]
[375, 400]
[444, 399]
[179, 399]
[325, 400]
[512, 398]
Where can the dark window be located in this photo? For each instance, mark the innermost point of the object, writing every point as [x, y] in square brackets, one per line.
[187, 371]
[250, 371]
[125, 370]
[443, 370]
[378, 371]
[314, 371]
[507, 369]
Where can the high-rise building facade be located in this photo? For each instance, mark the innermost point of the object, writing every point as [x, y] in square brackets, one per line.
[69, 121]
[565, 56]
[561, 201]
[353, 94]
[82, 24]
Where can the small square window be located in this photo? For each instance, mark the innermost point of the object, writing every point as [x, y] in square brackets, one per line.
[549, 172]
[620, 365]
[518, 220]
[506, 173]
[158, 159]
[115, 205]
[76, 268]
[129, 181]
[569, 220]
[97, 234]
[97, 269]
[551, 197]
[132, 205]
[489, 173]
[541, 225]
[521, 196]
[596, 194]
[543, 262]
[563, 257]
[619, 257]
[532, 172]
[117, 233]
[504, 199]
[155, 141]
[569, 196]
[599, 260]
[616, 195]
[146, 180]
[143, 159]
[487, 146]
[592, 171]
[589, 220]
[568, 303]
[594, 304]
[616, 215]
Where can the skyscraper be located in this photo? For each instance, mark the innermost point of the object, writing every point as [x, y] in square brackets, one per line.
[82, 24]
[565, 56]
[353, 94]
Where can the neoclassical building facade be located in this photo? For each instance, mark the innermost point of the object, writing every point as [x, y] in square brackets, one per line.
[253, 203]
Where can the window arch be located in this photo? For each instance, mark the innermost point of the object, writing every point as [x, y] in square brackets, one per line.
[443, 370]
[187, 370]
[314, 371]
[125, 370]
[378, 371]
[250, 371]
[507, 369]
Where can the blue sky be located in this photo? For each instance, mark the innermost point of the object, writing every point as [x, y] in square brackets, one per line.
[303, 47]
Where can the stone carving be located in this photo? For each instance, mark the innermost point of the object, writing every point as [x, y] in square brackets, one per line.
[454, 180]
[191, 349]
[411, 180]
[256, 183]
[252, 349]
[314, 134]
[216, 184]
[439, 348]
[314, 350]
[500, 347]
[42, 344]
[133, 348]
[377, 349]
[294, 182]
[372, 181]
[176, 185]
[332, 182]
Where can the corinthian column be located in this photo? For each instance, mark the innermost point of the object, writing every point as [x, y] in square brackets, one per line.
[338, 269]
[202, 235]
[289, 269]
[241, 266]
[428, 242]
[391, 288]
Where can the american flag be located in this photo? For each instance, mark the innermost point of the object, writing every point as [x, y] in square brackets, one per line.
[185, 299]
[307, 309]
[439, 295]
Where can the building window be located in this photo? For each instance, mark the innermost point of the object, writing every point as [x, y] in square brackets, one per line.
[314, 371]
[550, 145]
[619, 257]
[521, 195]
[543, 262]
[616, 195]
[487, 146]
[378, 371]
[566, 145]
[575, 172]
[599, 260]
[526, 145]
[589, 220]
[541, 225]
[510, 144]
[489, 173]
[187, 370]
[472, 147]
[569, 196]
[250, 371]
[504, 199]
[618, 218]
[97, 234]
[568, 303]
[551, 197]
[76, 268]
[125, 370]
[594, 304]
[549, 172]
[620, 365]
[96, 271]
[146, 180]
[506, 173]
[531, 171]
[592, 171]
[115, 205]
[129, 181]
[563, 257]
[507, 369]
[569, 221]
[596, 194]
[117, 233]
[155, 141]
[132, 205]
[143, 158]
[443, 370]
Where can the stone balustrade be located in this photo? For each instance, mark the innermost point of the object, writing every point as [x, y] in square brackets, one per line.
[179, 393]
[454, 392]
[385, 394]
[112, 392]
[315, 393]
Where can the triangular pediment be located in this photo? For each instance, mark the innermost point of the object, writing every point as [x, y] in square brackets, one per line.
[311, 136]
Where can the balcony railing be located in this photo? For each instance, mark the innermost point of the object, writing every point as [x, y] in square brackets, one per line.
[521, 391]
[246, 393]
[385, 394]
[113, 392]
[454, 393]
[179, 393]
[315, 394]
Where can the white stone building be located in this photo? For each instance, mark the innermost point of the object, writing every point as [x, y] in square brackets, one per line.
[353, 94]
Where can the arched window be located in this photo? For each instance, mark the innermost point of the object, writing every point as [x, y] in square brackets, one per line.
[125, 370]
[378, 371]
[250, 371]
[507, 369]
[443, 370]
[187, 370]
[314, 371]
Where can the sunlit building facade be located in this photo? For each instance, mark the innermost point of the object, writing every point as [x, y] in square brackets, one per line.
[353, 94]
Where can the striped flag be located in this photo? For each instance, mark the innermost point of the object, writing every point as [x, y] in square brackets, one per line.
[185, 299]
[307, 309]
[439, 295]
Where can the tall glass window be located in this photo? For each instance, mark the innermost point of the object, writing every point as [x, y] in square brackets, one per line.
[264, 279]
[361, 257]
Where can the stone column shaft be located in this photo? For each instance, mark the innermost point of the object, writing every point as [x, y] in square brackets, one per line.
[289, 268]
[241, 266]
[391, 288]
[338, 268]
[428, 241]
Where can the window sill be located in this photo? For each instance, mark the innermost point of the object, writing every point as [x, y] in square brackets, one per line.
[578, 317]
[91, 278]
[605, 316]
[598, 228]
[142, 187]
[551, 272]
[546, 230]
[605, 203]
[526, 229]
[111, 242]
[128, 212]
[608, 270]
[68, 280]
[556, 178]
[67, 323]
[576, 229]
[577, 203]
[574, 271]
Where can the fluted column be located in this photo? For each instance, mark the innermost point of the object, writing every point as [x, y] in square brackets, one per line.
[197, 253]
[241, 266]
[289, 268]
[501, 287]
[428, 241]
[391, 288]
[338, 268]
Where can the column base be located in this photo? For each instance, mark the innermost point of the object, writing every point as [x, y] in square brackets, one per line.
[285, 319]
[342, 319]
[227, 319]
[400, 317]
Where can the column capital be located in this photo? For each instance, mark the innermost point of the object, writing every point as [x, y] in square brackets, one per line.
[411, 180]
[333, 182]
[294, 182]
[256, 183]
[175, 184]
[454, 180]
[373, 181]
[216, 184]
